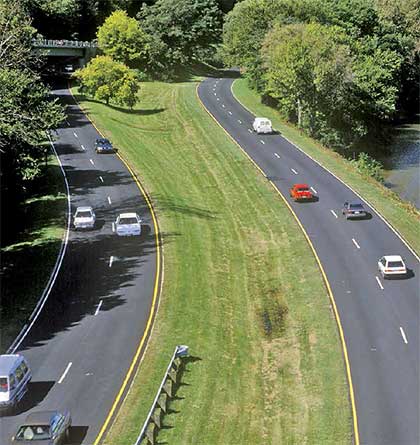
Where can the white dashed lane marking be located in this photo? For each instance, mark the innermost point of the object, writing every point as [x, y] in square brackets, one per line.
[101, 178]
[91, 161]
[113, 227]
[98, 307]
[249, 130]
[403, 335]
[262, 142]
[111, 260]
[65, 373]
[230, 112]
[223, 105]
[75, 135]
[83, 147]
[277, 155]
[335, 214]
[379, 283]
[313, 190]
[294, 171]
[109, 200]
[239, 122]
[355, 243]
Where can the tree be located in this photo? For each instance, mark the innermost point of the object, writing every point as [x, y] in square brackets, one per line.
[110, 81]
[122, 38]
[180, 30]
[308, 68]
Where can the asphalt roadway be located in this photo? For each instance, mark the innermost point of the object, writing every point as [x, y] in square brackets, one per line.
[380, 318]
[86, 336]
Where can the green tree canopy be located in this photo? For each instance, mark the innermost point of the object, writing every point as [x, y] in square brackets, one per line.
[110, 81]
[180, 30]
[122, 38]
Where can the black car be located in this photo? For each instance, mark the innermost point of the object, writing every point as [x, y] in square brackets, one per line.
[354, 210]
[104, 146]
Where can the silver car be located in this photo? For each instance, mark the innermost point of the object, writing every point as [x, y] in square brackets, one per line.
[84, 218]
[128, 224]
[44, 428]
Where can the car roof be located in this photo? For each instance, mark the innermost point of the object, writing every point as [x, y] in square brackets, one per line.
[84, 209]
[301, 185]
[8, 363]
[258, 119]
[393, 258]
[102, 140]
[128, 215]
[40, 417]
[355, 204]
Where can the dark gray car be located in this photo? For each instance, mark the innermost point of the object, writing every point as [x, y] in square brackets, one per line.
[44, 428]
[354, 210]
[103, 145]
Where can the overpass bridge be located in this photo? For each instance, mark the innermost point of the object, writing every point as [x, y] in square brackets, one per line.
[69, 50]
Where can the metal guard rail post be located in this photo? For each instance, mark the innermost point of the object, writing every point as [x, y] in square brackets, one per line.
[180, 351]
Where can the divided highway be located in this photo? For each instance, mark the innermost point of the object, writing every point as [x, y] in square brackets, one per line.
[83, 343]
[380, 318]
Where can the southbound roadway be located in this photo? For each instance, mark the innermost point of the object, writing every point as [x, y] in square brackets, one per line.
[380, 319]
[83, 342]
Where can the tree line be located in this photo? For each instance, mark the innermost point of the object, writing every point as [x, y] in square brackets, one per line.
[342, 70]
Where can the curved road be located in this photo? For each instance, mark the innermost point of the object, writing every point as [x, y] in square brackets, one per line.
[84, 341]
[380, 318]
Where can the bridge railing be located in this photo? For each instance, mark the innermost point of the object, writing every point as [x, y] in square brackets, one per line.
[46, 43]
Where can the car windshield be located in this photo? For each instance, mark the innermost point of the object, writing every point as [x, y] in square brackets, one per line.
[395, 264]
[124, 221]
[303, 189]
[356, 206]
[33, 432]
[103, 142]
[83, 214]
[3, 384]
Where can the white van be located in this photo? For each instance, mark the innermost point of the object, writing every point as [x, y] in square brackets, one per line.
[262, 125]
[15, 375]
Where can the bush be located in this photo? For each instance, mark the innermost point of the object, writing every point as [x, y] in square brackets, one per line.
[369, 166]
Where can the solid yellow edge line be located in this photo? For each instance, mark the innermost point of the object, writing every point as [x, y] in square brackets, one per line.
[324, 276]
[155, 290]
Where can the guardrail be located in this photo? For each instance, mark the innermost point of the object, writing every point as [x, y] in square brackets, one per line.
[164, 394]
[45, 43]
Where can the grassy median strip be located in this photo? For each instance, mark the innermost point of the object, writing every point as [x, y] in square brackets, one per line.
[28, 259]
[241, 288]
[402, 215]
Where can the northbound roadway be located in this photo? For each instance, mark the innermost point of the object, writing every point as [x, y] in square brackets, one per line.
[84, 340]
[380, 318]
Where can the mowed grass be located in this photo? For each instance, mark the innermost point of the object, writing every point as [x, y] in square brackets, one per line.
[241, 289]
[403, 216]
[27, 259]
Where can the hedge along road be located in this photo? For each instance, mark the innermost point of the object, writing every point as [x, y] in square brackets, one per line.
[380, 320]
[100, 308]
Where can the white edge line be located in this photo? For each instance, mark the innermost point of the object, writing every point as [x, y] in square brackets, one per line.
[379, 283]
[65, 373]
[403, 335]
[335, 214]
[46, 292]
[338, 179]
[98, 308]
[355, 243]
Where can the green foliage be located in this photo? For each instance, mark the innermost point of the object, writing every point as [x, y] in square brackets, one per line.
[109, 81]
[340, 68]
[122, 38]
[180, 31]
[369, 166]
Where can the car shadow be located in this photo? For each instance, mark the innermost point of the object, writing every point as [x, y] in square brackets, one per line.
[37, 391]
[77, 435]
[367, 217]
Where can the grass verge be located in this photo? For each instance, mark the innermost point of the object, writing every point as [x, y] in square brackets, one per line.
[403, 216]
[28, 259]
[241, 288]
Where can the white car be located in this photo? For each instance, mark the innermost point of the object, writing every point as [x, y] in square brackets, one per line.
[392, 266]
[262, 125]
[84, 218]
[128, 224]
